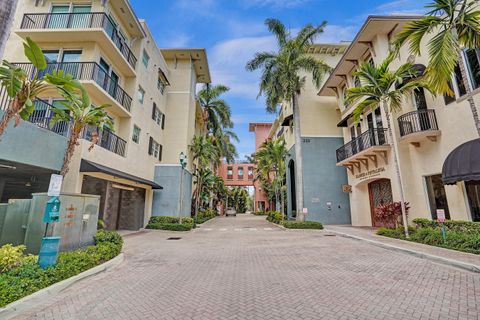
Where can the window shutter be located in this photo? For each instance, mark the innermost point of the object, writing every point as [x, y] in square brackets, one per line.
[160, 153]
[163, 121]
[150, 142]
[153, 110]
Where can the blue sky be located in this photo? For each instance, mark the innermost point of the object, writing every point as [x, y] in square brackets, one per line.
[233, 30]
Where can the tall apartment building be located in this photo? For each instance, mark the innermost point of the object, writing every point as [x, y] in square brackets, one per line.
[151, 98]
[323, 180]
[426, 131]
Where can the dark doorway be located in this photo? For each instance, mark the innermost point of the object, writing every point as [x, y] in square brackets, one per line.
[473, 193]
[293, 194]
[380, 192]
[436, 195]
[121, 206]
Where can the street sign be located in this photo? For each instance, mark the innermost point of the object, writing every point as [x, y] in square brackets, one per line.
[441, 215]
[55, 185]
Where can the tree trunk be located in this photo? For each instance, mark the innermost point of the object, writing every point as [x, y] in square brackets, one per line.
[468, 88]
[72, 144]
[11, 111]
[298, 158]
[282, 197]
[7, 12]
[397, 168]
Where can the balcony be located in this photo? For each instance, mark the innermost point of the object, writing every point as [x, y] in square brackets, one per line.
[105, 139]
[363, 148]
[102, 86]
[80, 27]
[418, 125]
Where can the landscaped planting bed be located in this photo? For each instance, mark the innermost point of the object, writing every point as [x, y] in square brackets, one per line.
[277, 218]
[171, 223]
[205, 215]
[20, 275]
[460, 235]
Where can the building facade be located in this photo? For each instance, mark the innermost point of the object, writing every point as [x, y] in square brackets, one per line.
[323, 180]
[152, 104]
[426, 131]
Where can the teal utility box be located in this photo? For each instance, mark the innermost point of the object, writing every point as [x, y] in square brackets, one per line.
[48, 252]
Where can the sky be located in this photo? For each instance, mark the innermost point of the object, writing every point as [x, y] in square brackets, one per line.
[232, 31]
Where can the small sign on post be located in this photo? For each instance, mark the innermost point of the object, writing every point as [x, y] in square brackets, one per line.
[55, 185]
[305, 211]
[441, 219]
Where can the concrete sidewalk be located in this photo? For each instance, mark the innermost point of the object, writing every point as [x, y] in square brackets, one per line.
[450, 257]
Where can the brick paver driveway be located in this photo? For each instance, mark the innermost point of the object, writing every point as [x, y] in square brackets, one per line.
[246, 268]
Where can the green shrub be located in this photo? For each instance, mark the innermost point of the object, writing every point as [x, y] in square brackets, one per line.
[451, 225]
[259, 213]
[12, 256]
[205, 215]
[274, 216]
[164, 219]
[302, 225]
[28, 277]
[170, 226]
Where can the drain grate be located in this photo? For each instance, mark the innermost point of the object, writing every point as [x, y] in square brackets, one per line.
[174, 238]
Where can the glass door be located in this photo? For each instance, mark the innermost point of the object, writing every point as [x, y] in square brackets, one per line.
[70, 62]
[112, 89]
[58, 17]
[421, 105]
[102, 78]
[436, 195]
[81, 16]
[52, 59]
[473, 194]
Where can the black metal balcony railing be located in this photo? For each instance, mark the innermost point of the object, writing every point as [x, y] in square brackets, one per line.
[41, 116]
[417, 121]
[368, 139]
[80, 21]
[86, 71]
[106, 139]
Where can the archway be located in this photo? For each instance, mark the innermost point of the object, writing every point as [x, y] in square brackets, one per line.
[293, 194]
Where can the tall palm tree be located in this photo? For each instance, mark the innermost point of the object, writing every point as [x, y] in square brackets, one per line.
[205, 154]
[78, 112]
[270, 161]
[216, 110]
[383, 87]
[7, 12]
[282, 80]
[453, 25]
[223, 142]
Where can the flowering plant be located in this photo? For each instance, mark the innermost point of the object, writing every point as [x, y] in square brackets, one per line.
[390, 213]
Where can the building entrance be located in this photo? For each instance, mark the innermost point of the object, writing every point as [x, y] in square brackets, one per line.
[380, 193]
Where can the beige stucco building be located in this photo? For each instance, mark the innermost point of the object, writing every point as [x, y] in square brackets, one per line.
[151, 98]
[323, 180]
[426, 131]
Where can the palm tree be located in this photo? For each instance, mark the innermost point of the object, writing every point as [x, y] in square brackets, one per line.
[281, 79]
[216, 111]
[223, 142]
[79, 112]
[270, 160]
[7, 12]
[21, 87]
[385, 88]
[453, 25]
[205, 154]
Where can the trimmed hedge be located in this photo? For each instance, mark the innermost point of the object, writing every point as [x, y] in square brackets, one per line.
[455, 240]
[171, 223]
[302, 225]
[259, 213]
[451, 225]
[275, 217]
[29, 277]
[205, 215]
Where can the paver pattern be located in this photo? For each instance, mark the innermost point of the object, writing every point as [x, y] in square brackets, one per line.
[245, 268]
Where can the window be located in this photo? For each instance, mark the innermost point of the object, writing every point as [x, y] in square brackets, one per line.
[136, 134]
[473, 64]
[357, 82]
[141, 94]
[229, 173]
[240, 172]
[250, 173]
[157, 115]
[160, 85]
[459, 81]
[436, 195]
[145, 58]
[419, 99]
[155, 149]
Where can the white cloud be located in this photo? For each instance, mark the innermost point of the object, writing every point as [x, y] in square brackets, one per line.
[408, 7]
[335, 34]
[179, 40]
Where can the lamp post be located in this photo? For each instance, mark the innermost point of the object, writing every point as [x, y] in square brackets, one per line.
[183, 164]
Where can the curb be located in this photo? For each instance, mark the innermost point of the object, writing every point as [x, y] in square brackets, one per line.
[24, 304]
[431, 257]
